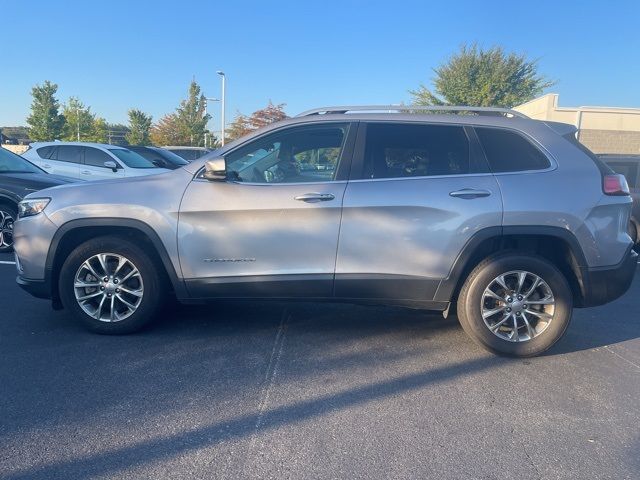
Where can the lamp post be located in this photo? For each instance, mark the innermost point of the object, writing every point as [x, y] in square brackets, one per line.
[221, 73]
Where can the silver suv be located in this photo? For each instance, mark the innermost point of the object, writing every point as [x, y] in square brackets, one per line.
[509, 221]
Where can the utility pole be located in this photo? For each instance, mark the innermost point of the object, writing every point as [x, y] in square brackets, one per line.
[221, 73]
[78, 120]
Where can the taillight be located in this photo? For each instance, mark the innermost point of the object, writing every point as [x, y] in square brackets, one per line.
[615, 185]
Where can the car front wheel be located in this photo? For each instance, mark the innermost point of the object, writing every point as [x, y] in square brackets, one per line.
[111, 285]
[515, 305]
[8, 214]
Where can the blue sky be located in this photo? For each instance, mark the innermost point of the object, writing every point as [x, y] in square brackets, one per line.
[120, 54]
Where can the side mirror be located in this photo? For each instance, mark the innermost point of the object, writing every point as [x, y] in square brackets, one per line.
[215, 170]
[112, 165]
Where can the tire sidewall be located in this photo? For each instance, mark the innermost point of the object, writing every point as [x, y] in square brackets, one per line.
[470, 311]
[153, 287]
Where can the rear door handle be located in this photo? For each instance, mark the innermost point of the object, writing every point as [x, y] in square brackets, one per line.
[469, 193]
[85, 172]
[46, 165]
[315, 197]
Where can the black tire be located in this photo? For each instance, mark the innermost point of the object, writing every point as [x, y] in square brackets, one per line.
[633, 231]
[154, 290]
[471, 298]
[8, 214]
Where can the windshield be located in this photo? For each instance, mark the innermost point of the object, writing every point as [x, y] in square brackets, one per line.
[12, 163]
[131, 159]
[152, 153]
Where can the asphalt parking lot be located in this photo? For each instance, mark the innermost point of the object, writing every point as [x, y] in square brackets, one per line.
[300, 390]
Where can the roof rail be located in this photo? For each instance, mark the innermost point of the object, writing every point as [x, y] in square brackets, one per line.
[414, 108]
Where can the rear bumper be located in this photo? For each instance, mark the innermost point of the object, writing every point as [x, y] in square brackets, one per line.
[603, 285]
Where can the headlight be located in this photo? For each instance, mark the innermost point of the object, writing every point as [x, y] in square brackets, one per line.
[32, 206]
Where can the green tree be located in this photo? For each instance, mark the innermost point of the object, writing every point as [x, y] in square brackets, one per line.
[190, 117]
[45, 121]
[483, 78]
[187, 125]
[79, 121]
[139, 127]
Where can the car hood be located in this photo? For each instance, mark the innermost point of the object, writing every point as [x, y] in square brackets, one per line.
[125, 185]
[34, 181]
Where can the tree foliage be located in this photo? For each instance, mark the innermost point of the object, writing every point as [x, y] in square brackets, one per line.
[166, 131]
[187, 125]
[139, 127]
[80, 121]
[483, 78]
[239, 127]
[242, 124]
[45, 122]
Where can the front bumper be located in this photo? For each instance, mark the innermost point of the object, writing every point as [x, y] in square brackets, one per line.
[603, 285]
[37, 288]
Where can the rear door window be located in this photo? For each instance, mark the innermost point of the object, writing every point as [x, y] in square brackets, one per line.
[396, 150]
[508, 151]
[69, 153]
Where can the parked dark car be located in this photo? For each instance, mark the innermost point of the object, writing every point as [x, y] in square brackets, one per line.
[188, 153]
[18, 178]
[160, 157]
[629, 166]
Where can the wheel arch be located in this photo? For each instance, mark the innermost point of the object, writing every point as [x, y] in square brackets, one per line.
[76, 232]
[7, 200]
[556, 244]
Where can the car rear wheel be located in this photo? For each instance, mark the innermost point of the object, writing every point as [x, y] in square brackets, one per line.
[8, 215]
[515, 305]
[111, 285]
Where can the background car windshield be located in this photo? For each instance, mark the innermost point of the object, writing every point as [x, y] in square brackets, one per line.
[161, 156]
[131, 159]
[12, 163]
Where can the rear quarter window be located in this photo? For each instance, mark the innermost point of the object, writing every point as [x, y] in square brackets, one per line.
[508, 151]
[44, 152]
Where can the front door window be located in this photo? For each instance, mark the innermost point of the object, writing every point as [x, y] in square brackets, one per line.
[298, 155]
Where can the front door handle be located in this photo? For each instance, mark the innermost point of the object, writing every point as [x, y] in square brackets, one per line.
[46, 165]
[469, 193]
[85, 172]
[315, 197]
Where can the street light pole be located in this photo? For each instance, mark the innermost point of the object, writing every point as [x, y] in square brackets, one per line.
[221, 73]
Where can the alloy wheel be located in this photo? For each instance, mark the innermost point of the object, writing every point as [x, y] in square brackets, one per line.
[517, 306]
[6, 229]
[108, 287]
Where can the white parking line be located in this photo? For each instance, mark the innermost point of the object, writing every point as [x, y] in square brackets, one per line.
[2, 262]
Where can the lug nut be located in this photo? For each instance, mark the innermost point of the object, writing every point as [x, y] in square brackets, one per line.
[117, 290]
[508, 309]
[525, 306]
[106, 279]
[101, 288]
[519, 297]
[509, 299]
[518, 314]
[109, 295]
[115, 281]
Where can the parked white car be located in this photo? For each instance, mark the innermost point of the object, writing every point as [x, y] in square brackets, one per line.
[89, 161]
